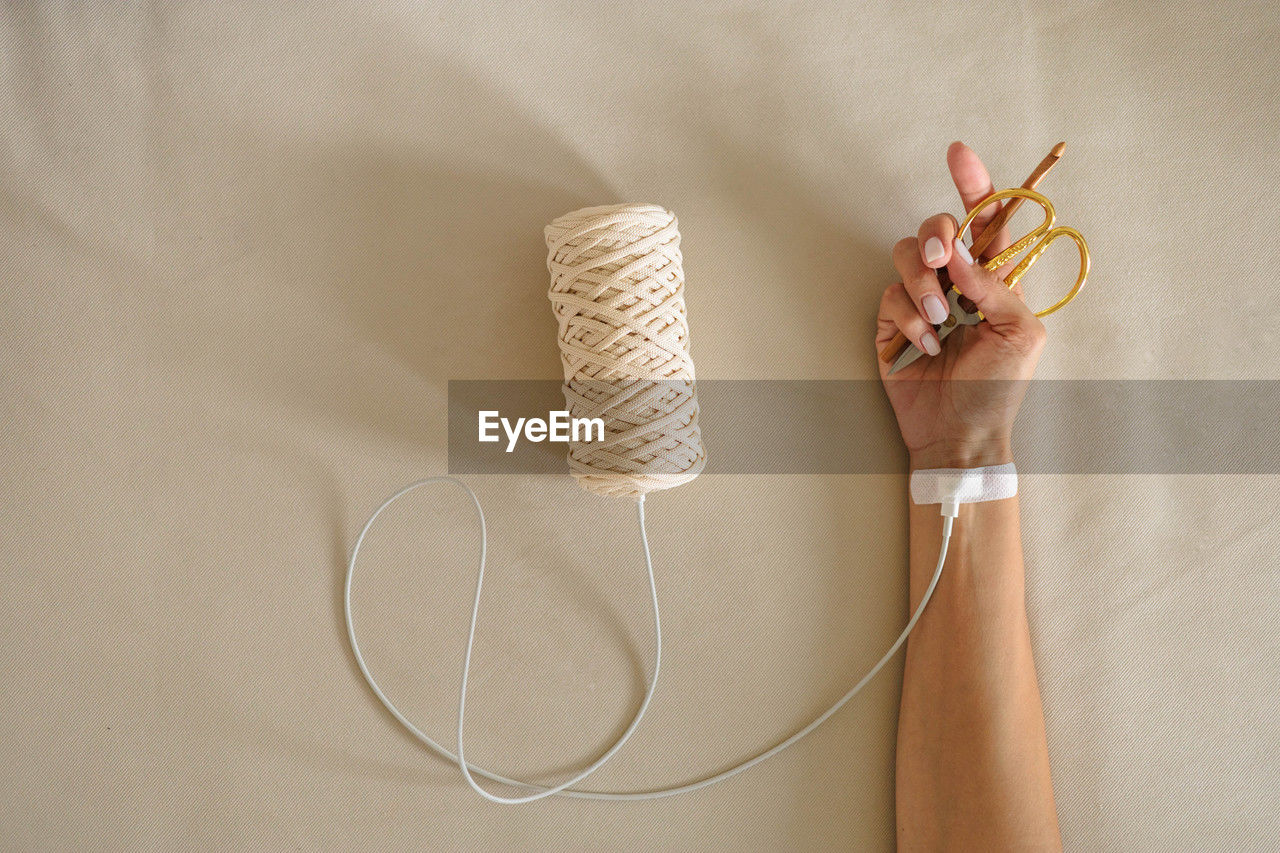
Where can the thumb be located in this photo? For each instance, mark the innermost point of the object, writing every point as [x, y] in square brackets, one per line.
[1000, 305]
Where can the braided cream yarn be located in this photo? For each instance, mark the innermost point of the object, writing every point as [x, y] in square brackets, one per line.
[617, 290]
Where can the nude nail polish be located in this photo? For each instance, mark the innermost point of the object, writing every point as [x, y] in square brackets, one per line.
[929, 341]
[934, 308]
[963, 251]
[933, 250]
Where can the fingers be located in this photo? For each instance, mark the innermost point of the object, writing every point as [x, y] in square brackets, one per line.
[973, 182]
[897, 307]
[1006, 314]
[919, 281]
[970, 176]
[935, 238]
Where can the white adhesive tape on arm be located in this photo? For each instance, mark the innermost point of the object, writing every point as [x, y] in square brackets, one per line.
[955, 486]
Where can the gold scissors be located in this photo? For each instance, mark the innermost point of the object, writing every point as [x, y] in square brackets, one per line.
[1037, 240]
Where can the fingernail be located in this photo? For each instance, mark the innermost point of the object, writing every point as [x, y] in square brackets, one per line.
[929, 342]
[933, 250]
[963, 251]
[934, 309]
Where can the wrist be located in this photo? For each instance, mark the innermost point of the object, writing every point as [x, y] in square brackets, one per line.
[973, 453]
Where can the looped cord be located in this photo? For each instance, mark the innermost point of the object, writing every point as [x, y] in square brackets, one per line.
[470, 770]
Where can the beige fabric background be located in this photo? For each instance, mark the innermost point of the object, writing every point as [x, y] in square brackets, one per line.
[243, 247]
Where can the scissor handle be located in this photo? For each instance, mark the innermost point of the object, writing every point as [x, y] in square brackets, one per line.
[1025, 264]
[1041, 236]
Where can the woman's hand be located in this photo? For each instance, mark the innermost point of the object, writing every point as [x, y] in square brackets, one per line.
[956, 405]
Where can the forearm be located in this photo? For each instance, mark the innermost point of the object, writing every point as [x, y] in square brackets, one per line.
[973, 765]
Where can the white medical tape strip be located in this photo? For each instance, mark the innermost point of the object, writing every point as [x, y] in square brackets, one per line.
[964, 485]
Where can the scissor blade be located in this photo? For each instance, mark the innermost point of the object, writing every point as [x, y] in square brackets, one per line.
[910, 354]
[959, 316]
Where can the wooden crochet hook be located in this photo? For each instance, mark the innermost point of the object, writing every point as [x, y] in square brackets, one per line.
[982, 241]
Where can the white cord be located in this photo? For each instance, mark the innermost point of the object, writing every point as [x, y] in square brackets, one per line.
[469, 770]
[466, 668]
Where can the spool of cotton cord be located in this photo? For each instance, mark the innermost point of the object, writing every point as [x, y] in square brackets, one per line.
[617, 291]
